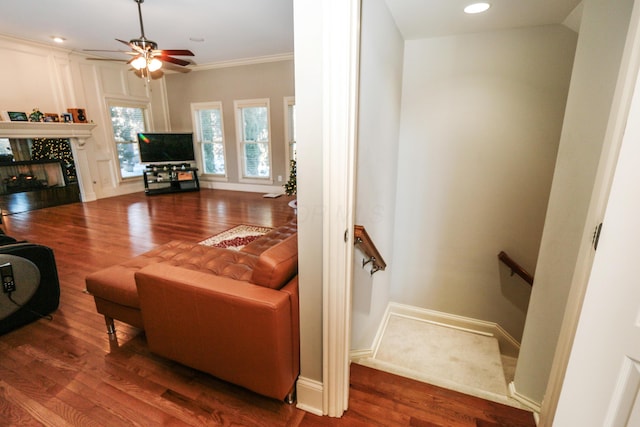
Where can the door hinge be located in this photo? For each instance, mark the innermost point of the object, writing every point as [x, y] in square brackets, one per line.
[596, 236]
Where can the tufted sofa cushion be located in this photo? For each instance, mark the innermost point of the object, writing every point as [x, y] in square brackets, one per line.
[117, 283]
[272, 238]
[219, 261]
[270, 261]
[277, 264]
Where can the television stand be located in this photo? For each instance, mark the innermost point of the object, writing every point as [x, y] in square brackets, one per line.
[170, 178]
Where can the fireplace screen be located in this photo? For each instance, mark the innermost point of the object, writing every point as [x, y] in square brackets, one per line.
[31, 175]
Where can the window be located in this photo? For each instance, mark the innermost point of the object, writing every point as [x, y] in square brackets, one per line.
[208, 123]
[254, 138]
[290, 127]
[127, 122]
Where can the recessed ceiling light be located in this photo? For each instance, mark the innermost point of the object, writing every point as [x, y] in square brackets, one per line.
[58, 39]
[196, 39]
[477, 8]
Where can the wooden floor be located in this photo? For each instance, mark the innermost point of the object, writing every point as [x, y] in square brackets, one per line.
[67, 372]
[12, 203]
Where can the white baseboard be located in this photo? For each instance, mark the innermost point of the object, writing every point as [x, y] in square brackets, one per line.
[234, 186]
[509, 346]
[309, 396]
[360, 354]
[529, 403]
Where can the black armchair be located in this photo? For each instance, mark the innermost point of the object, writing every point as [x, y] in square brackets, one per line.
[37, 292]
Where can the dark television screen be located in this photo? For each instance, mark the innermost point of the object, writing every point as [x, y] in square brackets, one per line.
[166, 147]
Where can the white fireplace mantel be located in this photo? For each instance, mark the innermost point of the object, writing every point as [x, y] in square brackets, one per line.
[78, 134]
[45, 130]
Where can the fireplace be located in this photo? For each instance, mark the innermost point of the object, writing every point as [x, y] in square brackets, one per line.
[52, 167]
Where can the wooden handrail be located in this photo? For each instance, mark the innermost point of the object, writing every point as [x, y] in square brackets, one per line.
[515, 267]
[364, 242]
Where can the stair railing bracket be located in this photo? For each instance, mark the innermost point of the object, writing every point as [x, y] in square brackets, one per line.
[372, 256]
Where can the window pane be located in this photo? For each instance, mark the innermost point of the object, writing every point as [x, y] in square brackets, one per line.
[213, 158]
[255, 125]
[210, 129]
[127, 122]
[291, 118]
[129, 158]
[210, 125]
[256, 160]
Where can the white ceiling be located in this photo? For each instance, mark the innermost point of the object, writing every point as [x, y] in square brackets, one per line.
[417, 19]
[231, 29]
[234, 30]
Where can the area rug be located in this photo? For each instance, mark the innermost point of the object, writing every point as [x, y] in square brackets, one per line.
[443, 356]
[237, 237]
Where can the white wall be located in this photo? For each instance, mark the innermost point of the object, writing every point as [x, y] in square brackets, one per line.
[381, 57]
[29, 77]
[602, 36]
[481, 120]
[607, 334]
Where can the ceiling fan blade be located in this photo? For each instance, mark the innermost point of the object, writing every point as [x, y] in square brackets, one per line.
[173, 60]
[124, 42]
[168, 66]
[175, 52]
[104, 50]
[106, 59]
[132, 46]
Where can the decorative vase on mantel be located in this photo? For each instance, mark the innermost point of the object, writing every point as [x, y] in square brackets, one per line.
[36, 115]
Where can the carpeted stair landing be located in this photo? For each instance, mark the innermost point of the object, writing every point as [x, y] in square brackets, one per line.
[448, 357]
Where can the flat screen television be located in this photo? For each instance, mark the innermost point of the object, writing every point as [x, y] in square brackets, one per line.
[166, 147]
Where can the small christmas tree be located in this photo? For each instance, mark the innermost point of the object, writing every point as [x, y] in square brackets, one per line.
[55, 149]
[291, 188]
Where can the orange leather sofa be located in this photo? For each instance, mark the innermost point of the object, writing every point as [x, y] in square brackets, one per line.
[233, 314]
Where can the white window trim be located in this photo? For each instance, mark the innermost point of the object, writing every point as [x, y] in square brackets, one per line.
[195, 106]
[237, 105]
[131, 103]
[288, 102]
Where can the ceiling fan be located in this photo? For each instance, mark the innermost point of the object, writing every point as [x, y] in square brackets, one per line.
[146, 58]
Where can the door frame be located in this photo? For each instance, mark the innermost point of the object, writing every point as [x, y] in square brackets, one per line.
[341, 52]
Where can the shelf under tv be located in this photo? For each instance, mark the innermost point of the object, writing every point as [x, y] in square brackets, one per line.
[170, 178]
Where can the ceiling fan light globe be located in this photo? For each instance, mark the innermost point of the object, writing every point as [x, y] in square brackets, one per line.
[154, 65]
[139, 63]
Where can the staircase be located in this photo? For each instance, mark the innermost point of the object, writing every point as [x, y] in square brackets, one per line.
[447, 351]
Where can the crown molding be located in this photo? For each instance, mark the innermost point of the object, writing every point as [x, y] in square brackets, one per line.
[244, 61]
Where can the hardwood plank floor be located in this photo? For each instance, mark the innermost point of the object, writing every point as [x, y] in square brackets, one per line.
[67, 372]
